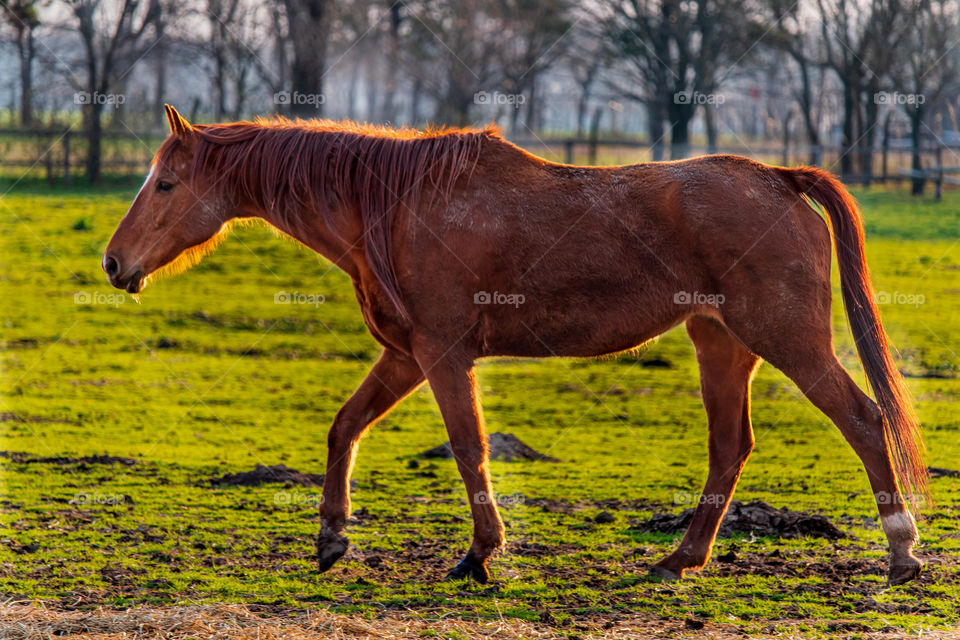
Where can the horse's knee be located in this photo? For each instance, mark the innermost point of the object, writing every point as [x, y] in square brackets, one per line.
[343, 430]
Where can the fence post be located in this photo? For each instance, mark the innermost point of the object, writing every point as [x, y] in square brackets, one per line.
[886, 151]
[48, 160]
[594, 135]
[939, 182]
[66, 158]
[568, 151]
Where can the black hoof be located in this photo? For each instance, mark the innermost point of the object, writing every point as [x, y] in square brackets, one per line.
[904, 571]
[663, 573]
[470, 567]
[330, 548]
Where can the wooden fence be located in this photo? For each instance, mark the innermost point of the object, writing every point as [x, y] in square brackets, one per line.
[59, 155]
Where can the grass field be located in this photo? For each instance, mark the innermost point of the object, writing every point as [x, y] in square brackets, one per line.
[211, 375]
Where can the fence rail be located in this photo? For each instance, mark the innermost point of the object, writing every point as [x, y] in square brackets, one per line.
[60, 154]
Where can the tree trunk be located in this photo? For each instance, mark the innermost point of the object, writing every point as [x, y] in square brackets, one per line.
[455, 108]
[582, 110]
[655, 131]
[219, 71]
[806, 109]
[680, 116]
[868, 136]
[160, 69]
[94, 137]
[240, 88]
[308, 32]
[785, 159]
[25, 47]
[916, 164]
[710, 122]
[532, 107]
[849, 115]
[416, 92]
[389, 110]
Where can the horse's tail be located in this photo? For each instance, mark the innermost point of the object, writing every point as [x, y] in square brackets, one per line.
[901, 428]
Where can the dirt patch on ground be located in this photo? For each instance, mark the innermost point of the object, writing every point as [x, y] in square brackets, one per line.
[938, 472]
[26, 458]
[261, 474]
[757, 518]
[9, 416]
[503, 446]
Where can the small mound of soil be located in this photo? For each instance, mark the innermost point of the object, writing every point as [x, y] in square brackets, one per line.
[503, 446]
[26, 458]
[757, 518]
[938, 472]
[262, 475]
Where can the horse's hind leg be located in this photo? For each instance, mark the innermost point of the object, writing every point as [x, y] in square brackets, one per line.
[830, 388]
[726, 369]
[807, 358]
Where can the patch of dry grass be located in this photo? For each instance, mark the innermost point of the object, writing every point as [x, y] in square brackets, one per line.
[26, 621]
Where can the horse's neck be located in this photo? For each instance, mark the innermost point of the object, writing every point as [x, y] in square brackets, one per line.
[310, 229]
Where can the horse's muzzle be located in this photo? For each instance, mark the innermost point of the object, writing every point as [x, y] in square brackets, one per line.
[131, 283]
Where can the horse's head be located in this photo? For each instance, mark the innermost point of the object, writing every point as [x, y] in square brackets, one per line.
[174, 219]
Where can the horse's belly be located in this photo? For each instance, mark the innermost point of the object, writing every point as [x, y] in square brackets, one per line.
[574, 333]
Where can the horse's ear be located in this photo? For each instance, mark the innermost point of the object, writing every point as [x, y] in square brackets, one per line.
[178, 124]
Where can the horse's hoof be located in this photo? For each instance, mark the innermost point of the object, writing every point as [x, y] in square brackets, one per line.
[664, 574]
[330, 548]
[470, 567]
[904, 570]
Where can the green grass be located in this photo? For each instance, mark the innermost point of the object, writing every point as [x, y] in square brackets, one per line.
[210, 376]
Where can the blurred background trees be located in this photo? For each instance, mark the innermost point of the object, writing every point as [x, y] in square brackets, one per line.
[679, 76]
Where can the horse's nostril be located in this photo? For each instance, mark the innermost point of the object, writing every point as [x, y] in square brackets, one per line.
[111, 266]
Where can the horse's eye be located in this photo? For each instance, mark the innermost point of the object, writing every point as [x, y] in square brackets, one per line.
[163, 187]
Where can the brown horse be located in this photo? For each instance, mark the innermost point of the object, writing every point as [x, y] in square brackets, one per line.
[461, 246]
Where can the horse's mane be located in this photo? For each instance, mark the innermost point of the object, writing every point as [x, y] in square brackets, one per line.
[294, 168]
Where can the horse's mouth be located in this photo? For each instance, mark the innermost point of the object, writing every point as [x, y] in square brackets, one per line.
[130, 284]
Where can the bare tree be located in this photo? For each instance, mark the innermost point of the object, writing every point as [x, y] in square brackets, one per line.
[586, 57]
[792, 35]
[22, 15]
[308, 27]
[449, 53]
[531, 40]
[113, 41]
[926, 67]
[861, 38]
[679, 53]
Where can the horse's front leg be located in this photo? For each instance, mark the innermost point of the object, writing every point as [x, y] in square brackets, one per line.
[392, 377]
[454, 385]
